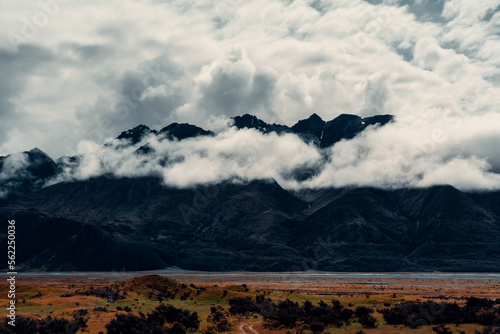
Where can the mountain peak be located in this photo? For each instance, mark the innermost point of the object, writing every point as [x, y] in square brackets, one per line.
[252, 122]
[248, 121]
[37, 151]
[182, 131]
[315, 116]
[378, 119]
[136, 134]
[40, 164]
[312, 126]
[347, 126]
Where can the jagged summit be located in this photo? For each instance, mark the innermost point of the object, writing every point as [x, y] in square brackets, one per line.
[31, 172]
[347, 126]
[182, 131]
[253, 224]
[313, 129]
[174, 131]
[313, 126]
[378, 119]
[252, 122]
[40, 164]
[21, 175]
[36, 151]
[136, 134]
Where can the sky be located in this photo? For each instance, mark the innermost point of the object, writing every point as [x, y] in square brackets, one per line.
[76, 73]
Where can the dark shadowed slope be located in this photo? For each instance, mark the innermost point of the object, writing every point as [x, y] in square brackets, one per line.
[137, 224]
[136, 134]
[24, 172]
[182, 131]
[314, 129]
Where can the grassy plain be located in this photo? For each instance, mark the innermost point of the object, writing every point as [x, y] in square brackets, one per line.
[62, 296]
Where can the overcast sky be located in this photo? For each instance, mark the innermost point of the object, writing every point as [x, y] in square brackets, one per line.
[87, 70]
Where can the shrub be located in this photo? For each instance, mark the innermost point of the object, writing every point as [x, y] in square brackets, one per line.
[175, 328]
[367, 321]
[476, 310]
[154, 322]
[57, 325]
[301, 328]
[240, 305]
[219, 317]
[288, 314]
[488, 330]
[24, 325]
[317, 327]
[210, 329]
[128, 323]
[170, 314]
[442, 329]
[362, 311]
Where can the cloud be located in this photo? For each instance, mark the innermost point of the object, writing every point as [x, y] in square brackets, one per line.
[231, 155]
[420, 157]
[13, 166]
[15, 71]
[233, 86]
[433, 64]
[148, 94]
[376, 95]
[13, 173]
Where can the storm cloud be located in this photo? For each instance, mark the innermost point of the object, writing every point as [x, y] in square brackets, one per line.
[75, 74]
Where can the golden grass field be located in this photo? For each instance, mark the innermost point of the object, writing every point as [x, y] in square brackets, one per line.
[40, 296]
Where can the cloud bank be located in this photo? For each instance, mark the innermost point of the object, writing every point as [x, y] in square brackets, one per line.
[373, 158]
[90, 70]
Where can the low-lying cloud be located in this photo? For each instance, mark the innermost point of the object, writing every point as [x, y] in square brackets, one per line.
[391, 156]
[435, 65]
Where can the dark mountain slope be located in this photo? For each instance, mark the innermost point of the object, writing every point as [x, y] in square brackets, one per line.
[226, 221]
[358, 227]
[25, 173]
[453, 228]
[114, 223]
[314, 129]
[349, 126]
[447, 211]
[136, 134]
[487, 199]
[252, 122]
[310, 129]
[138, 224]
[61, 244]
[182, 131]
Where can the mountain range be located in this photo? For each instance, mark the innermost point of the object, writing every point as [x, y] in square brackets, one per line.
[110, 223]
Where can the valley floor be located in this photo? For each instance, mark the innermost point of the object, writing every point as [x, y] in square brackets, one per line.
[41, 296]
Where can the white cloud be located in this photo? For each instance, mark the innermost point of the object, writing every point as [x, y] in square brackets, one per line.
[107, 66]
[407, 153]
[14, 166]
[245, 155]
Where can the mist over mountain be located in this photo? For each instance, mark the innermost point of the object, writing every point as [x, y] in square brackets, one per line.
[243, 198]
[185, 155]
[24, 172]
[349, 150]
